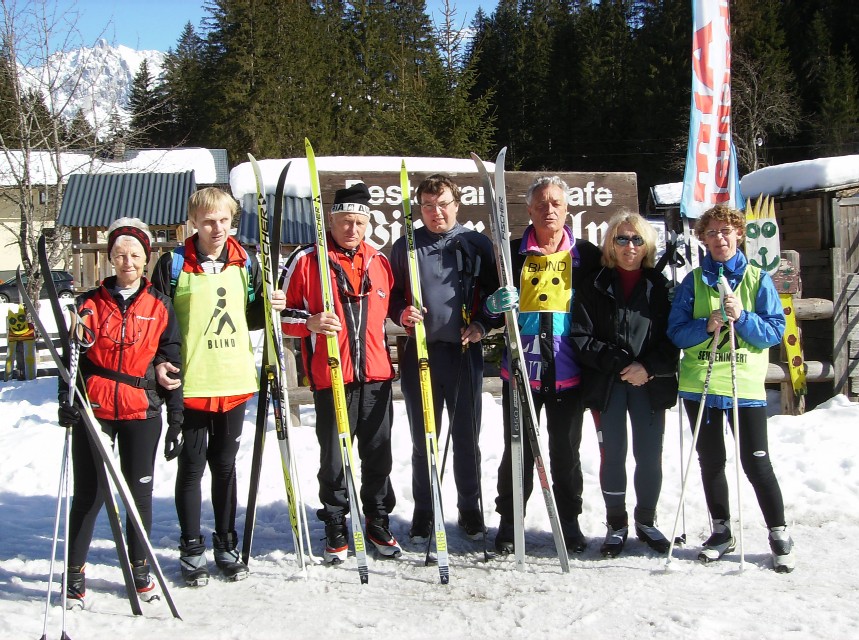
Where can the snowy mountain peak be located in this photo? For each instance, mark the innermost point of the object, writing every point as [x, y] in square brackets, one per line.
[96, 80]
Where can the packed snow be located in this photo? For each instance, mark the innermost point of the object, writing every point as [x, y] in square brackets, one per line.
[815, 457]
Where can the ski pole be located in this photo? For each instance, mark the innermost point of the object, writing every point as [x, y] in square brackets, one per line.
[736, 421]
[725, 289]
[64, 469]
[695, 431]
[681, 539]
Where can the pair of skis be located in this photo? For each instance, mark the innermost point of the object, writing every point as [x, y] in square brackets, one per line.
[420, 337]
[338, 388]
[522, 411]
[109, 473]
[273, 384]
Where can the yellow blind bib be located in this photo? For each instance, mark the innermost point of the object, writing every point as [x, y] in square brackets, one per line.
[547, 283]
[217, 357]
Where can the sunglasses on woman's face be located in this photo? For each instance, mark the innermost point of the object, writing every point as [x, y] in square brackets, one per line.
[638, 241]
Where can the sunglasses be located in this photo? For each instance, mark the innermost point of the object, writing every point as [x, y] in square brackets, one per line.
[622, 241]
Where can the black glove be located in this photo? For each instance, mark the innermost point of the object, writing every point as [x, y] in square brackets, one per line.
[68, 415]
[173, 440]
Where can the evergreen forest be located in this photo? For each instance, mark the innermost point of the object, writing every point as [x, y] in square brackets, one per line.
[578, 85]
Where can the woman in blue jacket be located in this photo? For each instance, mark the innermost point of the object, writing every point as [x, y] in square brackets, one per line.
[696, 314]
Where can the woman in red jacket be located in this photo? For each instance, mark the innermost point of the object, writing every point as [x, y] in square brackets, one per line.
[135, 331]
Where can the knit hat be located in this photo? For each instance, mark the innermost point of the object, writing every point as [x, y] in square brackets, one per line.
[355, 199]
[135, 232]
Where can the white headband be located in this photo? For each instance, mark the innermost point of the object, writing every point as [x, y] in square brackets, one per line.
[351, 207]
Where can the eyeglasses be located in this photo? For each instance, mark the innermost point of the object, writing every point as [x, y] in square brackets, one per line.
[441, 206]
[724, 232]
[622, 241]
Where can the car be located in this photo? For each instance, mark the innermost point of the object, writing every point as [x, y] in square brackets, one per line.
[63, 280]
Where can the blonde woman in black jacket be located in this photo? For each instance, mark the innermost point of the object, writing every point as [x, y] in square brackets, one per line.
[619, 332]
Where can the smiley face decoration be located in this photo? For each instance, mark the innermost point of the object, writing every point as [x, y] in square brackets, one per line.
[763, 247]
[20, 345]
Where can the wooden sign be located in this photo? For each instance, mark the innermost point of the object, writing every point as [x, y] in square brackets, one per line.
[593, 199]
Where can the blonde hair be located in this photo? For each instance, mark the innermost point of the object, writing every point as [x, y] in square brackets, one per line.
[211, 199]
[642, 227]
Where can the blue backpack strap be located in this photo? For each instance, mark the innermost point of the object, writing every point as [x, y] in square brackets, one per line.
[176, 268]
[179, 260]
[249, 266]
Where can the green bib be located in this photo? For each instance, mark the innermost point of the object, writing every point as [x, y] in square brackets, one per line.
[217, 356]
[751, 362]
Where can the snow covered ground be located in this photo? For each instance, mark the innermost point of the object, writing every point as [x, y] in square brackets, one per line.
[630, 596]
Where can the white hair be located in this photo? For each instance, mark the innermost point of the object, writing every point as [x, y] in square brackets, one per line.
[546, 181]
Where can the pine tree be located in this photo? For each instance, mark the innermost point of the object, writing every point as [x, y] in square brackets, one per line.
[146, 102]
[184, 89]
[836, 126]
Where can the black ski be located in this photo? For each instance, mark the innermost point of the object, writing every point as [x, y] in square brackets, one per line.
[94, 434]
[274, 370]
[111, 507]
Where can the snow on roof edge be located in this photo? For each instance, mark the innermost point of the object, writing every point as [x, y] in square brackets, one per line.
[805, 175]
[242, 181]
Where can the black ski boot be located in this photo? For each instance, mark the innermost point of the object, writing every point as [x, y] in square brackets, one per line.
[646, 531]
[143, 582]
[574, 539]
[227, 557]
[192, 560]
[76, 588]
[336, 540]
[379, 533]
[718, 544]
[504, 537]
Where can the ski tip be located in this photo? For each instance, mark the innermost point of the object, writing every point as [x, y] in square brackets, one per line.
[251, 158]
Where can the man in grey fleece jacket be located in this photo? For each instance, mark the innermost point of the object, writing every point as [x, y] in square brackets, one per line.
[457, 273]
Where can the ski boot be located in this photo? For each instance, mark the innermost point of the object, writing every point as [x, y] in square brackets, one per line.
[718, 544]
[574, 539]
[192, 561]
[76, 588]
[336, 541]
[504, 544]
[380, 535]
[781, 544]
[227, 557]
[143, 582]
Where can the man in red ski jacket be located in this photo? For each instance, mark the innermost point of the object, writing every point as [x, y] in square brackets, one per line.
[361, 281]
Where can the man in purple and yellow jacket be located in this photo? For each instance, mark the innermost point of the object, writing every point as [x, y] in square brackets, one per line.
[548, 263]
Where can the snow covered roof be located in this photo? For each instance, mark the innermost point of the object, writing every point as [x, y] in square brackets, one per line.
[806, 175]
[667, 195]
[209, 165]
[242, 180]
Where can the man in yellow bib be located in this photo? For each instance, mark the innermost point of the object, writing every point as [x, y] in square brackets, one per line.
[217, 293]
[548, 264]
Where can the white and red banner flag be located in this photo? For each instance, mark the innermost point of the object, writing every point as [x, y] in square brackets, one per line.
[711, 175]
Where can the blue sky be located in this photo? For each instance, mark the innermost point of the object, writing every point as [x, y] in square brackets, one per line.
[157, 24]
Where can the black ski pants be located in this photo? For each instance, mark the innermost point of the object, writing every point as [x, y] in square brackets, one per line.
[564, 427]
[457, 384]
[754, 456]
[648, 429]
[137, 441]
[211, 439]
[369, 405]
